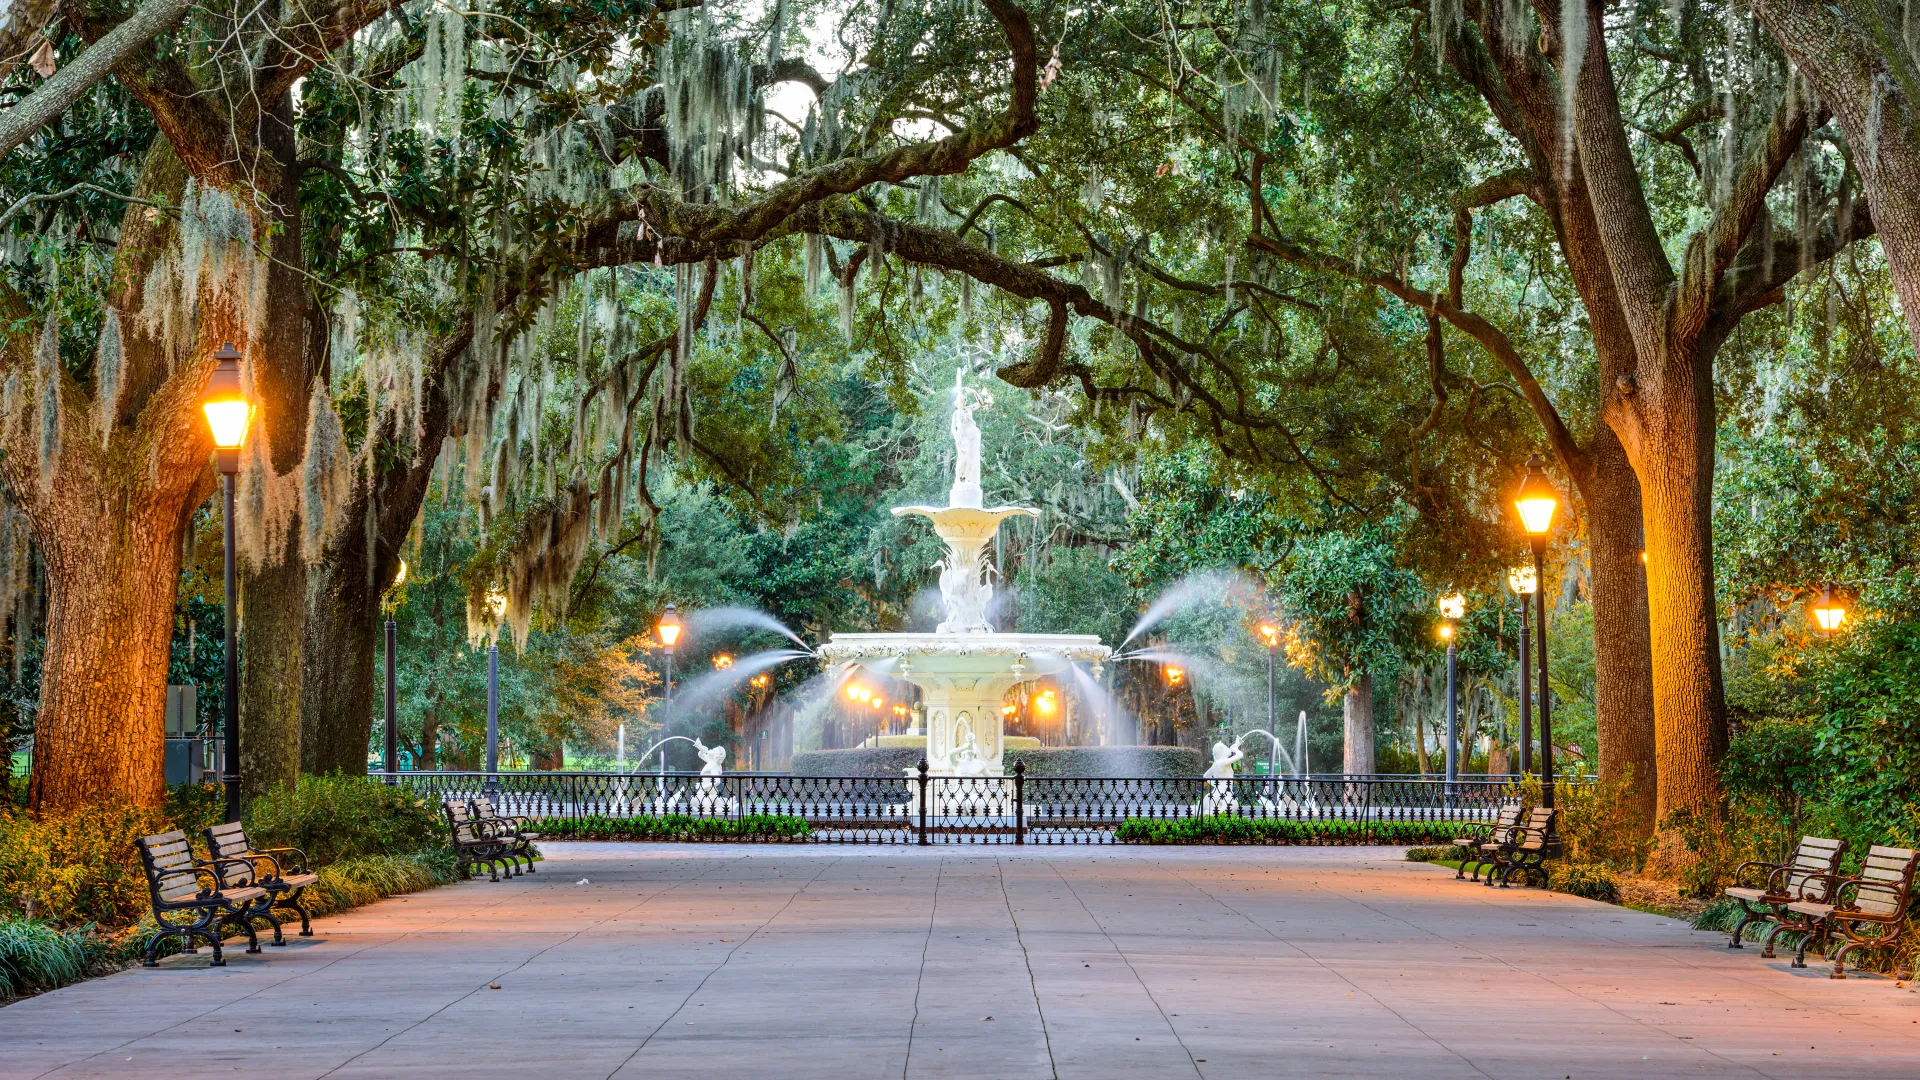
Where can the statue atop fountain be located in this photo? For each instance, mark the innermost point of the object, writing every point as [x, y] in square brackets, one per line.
[964, 669]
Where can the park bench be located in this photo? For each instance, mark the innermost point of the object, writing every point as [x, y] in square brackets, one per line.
[282, 872]
[1762, 890]
[1499, 832]
[512, 829]
[1526, 850]
[181, 884]
[1868, 909]
[473, 843]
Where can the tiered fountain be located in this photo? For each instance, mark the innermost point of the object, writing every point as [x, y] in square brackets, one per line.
[964, 669]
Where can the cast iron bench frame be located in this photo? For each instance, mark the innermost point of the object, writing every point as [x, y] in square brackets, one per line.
[168, 856]
[1815, 861]
[511, 829]
[284, 882]
[1878, 896]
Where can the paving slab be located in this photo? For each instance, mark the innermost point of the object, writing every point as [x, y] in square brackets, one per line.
[665, 961]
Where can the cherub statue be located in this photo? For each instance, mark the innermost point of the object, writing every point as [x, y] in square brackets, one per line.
[1219, 776]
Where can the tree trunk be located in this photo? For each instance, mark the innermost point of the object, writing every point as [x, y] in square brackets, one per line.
[1866, 73]
[110, 505]
[1358, 709]
[1622, 648]
[273, 574]
[1420, 725]
[1674, 459]
[342, 630]
[111, 577]
[429, 760]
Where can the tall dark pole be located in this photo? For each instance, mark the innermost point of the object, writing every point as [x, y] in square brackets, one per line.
[1273, 736]
[1526, 691]
[493, 710]
[230, 696]
[1453, 715]
[1546, 695]
[666, 717]
[393, 699]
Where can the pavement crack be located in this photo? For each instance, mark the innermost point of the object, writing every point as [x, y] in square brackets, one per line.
[1053, 1067]
[921, 978]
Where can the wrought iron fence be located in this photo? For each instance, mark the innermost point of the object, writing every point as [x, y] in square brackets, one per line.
[1015, 808]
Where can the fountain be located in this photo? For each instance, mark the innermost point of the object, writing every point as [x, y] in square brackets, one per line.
[964, 669]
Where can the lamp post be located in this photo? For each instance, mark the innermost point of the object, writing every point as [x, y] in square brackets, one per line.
[669, 631]
[1829, 614]
[1524, 583]
[1270, 634]
[228, 413]
[1536, 502]
[497, 607]
[1453, 607]
[391, 752]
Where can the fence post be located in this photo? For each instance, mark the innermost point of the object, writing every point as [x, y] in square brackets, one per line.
[923, 801]
[1019, 802]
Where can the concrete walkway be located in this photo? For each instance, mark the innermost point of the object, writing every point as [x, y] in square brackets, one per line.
[788, 962]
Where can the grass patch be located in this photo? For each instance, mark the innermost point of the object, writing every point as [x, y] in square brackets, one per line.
[676, 827]
[1229, 829]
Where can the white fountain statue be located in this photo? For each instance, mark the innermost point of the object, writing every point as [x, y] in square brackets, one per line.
[709, 798]
[1219, 776]
[963, 668]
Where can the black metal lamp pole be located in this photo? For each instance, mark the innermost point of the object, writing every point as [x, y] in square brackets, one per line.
[1536, 501]
[1453, 715]
[1526, 691]
[228, 414]
[393, 699]
[230, 694]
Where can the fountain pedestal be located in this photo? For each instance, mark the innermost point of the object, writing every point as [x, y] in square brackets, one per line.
[963, 678]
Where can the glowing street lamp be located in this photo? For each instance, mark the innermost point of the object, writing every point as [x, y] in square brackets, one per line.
[722, 662]
[1453, 608]
[1175, 675]
[1524, 583]
[1536, 502]
[1829, 614]
[1045, 703]
[228, 414]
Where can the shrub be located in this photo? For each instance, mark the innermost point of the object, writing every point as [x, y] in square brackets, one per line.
[339, 816]
[76, 867]
[1229, 829]
[1597, 823]
[1438, 853]
[678, 827]
[35, 956]
[1123, 761]
[1594, 881]
[887, 762]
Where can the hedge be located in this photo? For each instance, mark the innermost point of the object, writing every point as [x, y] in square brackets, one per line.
[1228, 829]
[893, 762]
[677, 827]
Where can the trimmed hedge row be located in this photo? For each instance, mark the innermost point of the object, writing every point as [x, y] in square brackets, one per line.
[1228, 829]
[676, 827]
[893, 762]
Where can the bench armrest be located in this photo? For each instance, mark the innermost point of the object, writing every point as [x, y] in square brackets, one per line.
[196, 871]
[1770, 871]
[276, 852]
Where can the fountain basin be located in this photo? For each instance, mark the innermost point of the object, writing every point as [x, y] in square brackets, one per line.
[963, 678]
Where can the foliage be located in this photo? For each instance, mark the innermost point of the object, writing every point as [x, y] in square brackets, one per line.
[1097, 761]
[338, 817]
[1595, 822]
[76, 867]
[1595, 881]
[1229, 829]
[753, 827]
[37, 956]
[882, 762]
[1435, 853]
